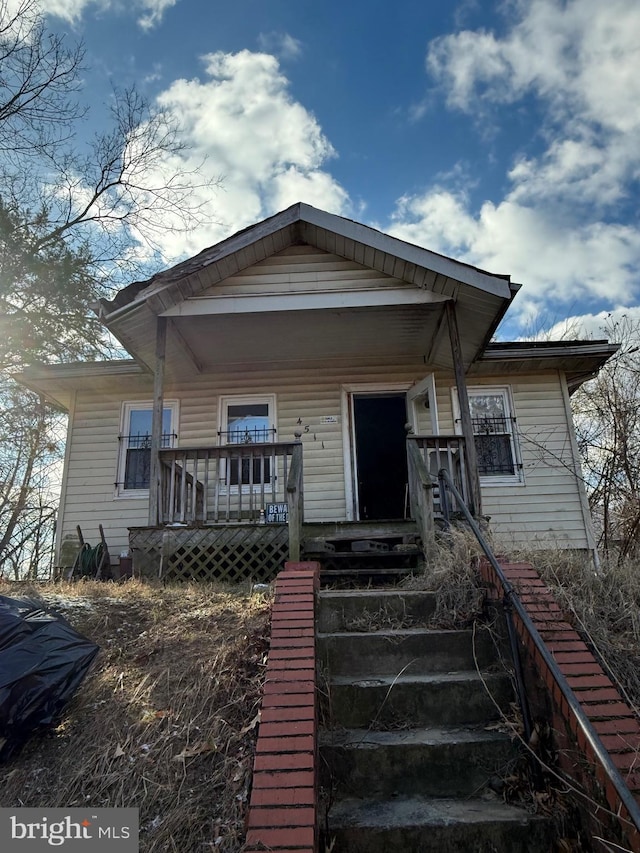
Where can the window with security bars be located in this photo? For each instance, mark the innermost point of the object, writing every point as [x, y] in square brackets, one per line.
[134, 468]
[493, 429]
[247, 423]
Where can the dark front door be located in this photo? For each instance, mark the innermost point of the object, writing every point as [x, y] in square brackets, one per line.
[380, 455]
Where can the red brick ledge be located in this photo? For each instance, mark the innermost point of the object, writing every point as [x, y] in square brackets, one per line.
[282, 812]
[613, 719]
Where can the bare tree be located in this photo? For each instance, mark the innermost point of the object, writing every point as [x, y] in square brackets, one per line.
[30, 459]
[77, 218]
[38, 84]
[607, 417]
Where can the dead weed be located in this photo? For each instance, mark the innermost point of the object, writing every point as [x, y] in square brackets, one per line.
[451, 572]
[166, 719]
[604, 606]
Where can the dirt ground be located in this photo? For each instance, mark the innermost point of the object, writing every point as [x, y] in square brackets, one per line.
[166, 719]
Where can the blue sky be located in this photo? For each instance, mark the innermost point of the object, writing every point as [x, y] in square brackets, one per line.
[505, 134]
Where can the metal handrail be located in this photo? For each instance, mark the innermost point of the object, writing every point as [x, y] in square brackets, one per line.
[511, 599]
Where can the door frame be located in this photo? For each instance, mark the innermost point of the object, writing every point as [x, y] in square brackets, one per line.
[348, 432]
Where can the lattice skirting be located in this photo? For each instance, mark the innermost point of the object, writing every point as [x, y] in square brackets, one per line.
[230, 553]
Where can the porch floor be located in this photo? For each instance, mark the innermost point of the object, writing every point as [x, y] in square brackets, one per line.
[337, 530]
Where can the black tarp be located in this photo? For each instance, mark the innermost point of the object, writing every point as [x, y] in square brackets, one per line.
[43, 660]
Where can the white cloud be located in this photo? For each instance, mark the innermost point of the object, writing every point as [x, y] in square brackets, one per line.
[153, 11]
[604, 324]
[150, 11]
[559, 228]
[267, 148]
[554, 261]
[282, 45]
[580, 55]
[70, 10]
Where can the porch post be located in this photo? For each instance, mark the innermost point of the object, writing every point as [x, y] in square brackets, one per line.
[156, 421]
[465, 412]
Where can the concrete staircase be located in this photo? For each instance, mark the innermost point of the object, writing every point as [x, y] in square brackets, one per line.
[406, 757]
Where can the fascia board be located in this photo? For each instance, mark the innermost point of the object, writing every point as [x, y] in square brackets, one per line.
[256, 304]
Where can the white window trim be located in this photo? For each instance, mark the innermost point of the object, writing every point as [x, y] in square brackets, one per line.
[223, 423]
[127, 407]
[516, 479]
[419, 394]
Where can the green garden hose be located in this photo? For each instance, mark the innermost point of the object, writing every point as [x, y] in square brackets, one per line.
[89, 560]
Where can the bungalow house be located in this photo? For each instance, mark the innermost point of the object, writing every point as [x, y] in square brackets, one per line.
[306, 374]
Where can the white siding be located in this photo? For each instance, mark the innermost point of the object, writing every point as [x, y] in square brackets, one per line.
[545, 510]
[301, 394]
[303, 269]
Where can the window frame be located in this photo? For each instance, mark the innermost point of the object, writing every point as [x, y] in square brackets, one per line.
[129, 406]
[223, 425]
[517, 478]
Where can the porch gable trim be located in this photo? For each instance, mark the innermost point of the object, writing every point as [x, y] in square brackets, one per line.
[252, 304]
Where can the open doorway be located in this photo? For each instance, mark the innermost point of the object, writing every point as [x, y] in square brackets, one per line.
[380, 456]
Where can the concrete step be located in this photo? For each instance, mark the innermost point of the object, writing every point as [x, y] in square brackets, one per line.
[340, 610]
[460, 762]
[422, 825]
[421, 650]
[401, 700]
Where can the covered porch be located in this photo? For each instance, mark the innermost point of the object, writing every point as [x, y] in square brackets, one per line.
[237, 512]
[299, 292]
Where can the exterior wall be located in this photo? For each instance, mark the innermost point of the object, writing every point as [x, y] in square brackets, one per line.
[302, 269]
[545, 510]
[303, 396]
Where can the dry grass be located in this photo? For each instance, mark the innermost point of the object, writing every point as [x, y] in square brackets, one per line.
[166, 719]
[603, 606]
[382, 619]
[450, 570]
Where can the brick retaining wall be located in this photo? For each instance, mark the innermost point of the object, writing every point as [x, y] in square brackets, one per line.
[615, 722]
[283, 807]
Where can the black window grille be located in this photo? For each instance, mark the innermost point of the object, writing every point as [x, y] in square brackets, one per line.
[137, 466]
[249, 435]
[492, 436]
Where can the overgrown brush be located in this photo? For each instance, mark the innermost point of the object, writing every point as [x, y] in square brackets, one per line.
[604, 607]
[451, 570]
[165, 721]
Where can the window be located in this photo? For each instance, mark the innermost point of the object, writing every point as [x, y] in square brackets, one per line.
[247, 421]
[494, 432]
[134, 465]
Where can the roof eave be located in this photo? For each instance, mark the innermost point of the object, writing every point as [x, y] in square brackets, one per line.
[301, 214]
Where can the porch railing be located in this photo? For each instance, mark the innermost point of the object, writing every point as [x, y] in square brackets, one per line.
[231, 483]
[296, 501]
[421, 485]
[439, 452]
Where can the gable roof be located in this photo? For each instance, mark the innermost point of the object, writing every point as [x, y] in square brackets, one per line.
[390, 319]
[303, 224]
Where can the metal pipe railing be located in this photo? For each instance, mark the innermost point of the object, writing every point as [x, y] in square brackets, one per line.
[512, 602]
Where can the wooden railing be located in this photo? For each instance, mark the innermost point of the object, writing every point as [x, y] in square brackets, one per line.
[421, 485]
[296, 502]
[426, 456]
[231, 483]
